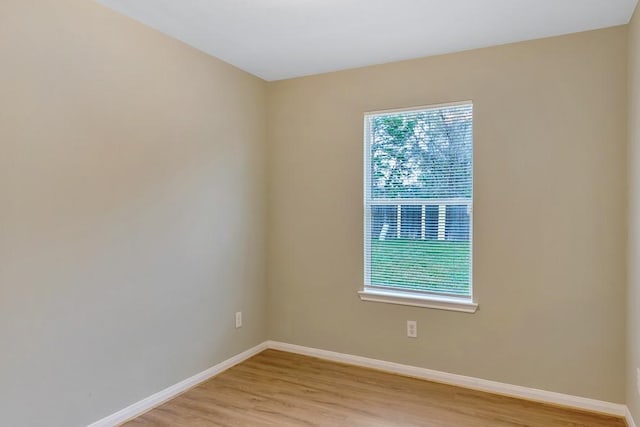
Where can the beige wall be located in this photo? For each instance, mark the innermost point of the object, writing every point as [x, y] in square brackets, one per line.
[633, 291]
[132, 212]
[549, 230]
[133, 220]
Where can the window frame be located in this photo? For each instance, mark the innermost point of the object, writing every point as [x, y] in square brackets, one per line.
[416, 298]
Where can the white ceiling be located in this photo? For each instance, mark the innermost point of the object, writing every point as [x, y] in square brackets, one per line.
[279, 39]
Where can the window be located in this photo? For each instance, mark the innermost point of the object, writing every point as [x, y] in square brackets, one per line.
[418, 207]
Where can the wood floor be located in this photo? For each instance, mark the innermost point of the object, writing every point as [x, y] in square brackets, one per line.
[283, 389]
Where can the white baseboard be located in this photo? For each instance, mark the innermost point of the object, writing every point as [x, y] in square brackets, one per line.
[629, 417]
[527, 393]
[169, 393]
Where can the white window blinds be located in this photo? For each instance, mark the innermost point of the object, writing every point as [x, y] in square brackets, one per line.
[419, 199]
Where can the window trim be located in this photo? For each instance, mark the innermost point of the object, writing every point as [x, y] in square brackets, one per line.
[444, 302]
[398, 296]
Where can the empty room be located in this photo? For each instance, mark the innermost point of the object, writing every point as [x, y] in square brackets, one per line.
[319, 213]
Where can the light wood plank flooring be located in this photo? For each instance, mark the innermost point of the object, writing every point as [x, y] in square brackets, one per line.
[282, 389]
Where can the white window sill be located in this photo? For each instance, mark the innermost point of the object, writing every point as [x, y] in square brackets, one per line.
[418, 300]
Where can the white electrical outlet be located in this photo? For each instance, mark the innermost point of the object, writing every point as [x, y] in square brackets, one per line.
[238, 319]
[412, 329]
